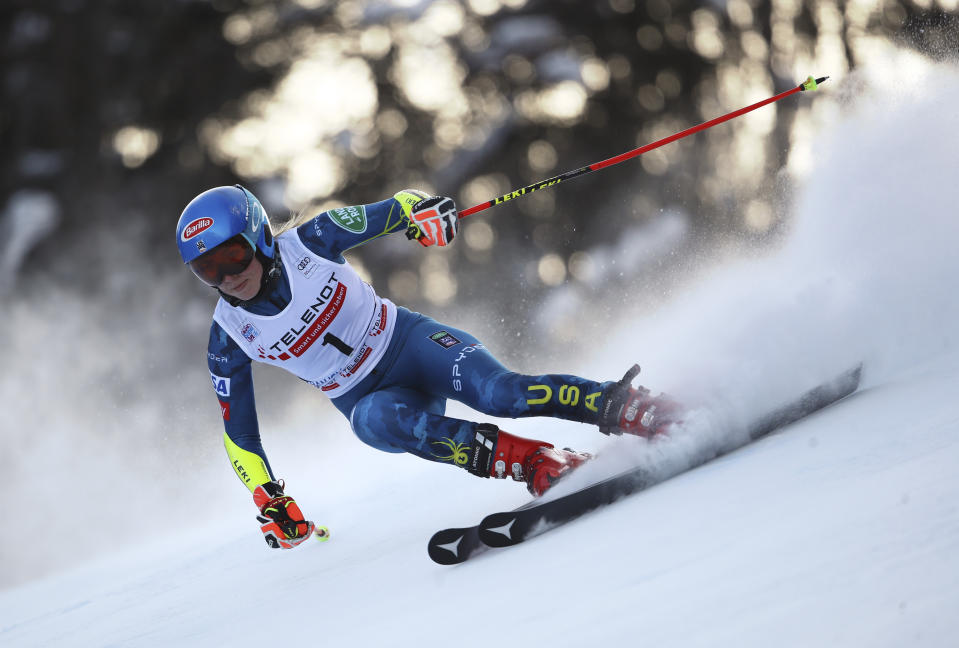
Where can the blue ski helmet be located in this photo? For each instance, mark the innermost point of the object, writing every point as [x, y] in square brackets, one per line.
[219, 214]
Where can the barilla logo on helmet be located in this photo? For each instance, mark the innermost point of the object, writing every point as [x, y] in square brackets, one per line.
[195, 227]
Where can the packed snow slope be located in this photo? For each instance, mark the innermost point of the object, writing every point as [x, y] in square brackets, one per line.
[840, 530]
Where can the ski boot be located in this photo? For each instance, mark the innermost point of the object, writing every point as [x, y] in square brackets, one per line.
[635, 411]
[498, 454]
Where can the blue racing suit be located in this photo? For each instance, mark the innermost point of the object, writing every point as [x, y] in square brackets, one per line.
[399, 406]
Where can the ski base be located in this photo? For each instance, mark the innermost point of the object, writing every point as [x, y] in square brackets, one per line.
[455, 545]
[452, 546]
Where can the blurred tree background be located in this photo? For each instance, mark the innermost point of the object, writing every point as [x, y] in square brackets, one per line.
[115, 114]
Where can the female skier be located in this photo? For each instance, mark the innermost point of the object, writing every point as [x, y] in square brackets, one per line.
[293, 301]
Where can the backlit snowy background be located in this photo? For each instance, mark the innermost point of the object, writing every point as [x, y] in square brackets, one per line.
[126, 526]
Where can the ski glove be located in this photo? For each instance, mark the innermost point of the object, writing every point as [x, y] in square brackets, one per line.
[281, 521]
[433, 221]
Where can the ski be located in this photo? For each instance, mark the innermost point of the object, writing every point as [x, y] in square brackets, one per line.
[456, 545]
[510, 528]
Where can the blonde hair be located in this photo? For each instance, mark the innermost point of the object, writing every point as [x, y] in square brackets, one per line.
[296, 219]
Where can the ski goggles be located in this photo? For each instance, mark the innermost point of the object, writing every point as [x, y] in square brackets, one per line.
[231, 257]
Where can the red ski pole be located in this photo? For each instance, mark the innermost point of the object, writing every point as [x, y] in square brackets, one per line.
[808, 84]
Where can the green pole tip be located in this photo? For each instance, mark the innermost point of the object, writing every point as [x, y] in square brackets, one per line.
[812, 83]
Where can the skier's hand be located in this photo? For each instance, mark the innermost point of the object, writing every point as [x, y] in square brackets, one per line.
[283, 524]
[433, 221]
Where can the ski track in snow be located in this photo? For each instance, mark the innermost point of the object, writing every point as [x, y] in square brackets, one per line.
[842, 530]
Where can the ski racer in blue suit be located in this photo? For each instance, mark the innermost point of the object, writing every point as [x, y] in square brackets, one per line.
[293, 301]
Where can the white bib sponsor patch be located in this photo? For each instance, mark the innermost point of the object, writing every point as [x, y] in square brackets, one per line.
[332, 332]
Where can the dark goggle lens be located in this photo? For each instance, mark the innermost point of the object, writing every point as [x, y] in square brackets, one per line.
[229, 258]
